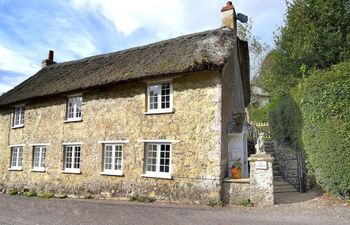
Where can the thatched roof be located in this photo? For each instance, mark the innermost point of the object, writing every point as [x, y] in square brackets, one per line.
[196, 52]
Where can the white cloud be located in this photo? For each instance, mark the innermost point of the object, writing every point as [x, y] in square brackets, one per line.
[16, 62]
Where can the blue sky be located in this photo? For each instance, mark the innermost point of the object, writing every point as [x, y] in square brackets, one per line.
[76, 29]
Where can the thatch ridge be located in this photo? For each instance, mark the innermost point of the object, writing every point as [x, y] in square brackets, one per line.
[195, 52]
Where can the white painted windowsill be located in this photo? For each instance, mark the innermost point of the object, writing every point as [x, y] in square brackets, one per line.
[160, 176]
[17, 126]
[16, 169]
[73, 120]
[112, 174]
[159, 112]
[71, 171]
[38, 170]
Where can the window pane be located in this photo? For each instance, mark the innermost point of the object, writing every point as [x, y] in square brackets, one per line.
[74, 107]
[78, 107]
[36, 157]
[164, 158]
[14, 157]
[68, 163]
[108, 157]
[153, 97]
[77, 157]
[151, 158]
[165, 93]
[118, 157]
[43, 156]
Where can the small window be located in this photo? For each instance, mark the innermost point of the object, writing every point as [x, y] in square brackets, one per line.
[113, 159]
[18, 117]
[74, 108]
[72, 158]
[158, 159]
[16, 157]
[39, 155]
[159, 97]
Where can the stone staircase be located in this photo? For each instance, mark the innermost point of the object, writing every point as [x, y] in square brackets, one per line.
[280, 186]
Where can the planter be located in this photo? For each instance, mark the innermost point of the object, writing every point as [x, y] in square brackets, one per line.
[236, 173]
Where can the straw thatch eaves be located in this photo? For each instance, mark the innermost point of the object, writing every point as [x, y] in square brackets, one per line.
[196, 52]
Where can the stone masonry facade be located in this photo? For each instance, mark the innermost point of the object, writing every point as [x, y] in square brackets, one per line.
[118, 113]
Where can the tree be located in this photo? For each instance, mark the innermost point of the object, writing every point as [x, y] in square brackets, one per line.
[257, 48]
[316, 36]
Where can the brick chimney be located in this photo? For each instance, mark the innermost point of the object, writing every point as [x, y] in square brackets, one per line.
[228, 16]
[49, 60]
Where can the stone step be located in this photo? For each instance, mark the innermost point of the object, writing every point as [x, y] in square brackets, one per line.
[277, 178]
[284, 189]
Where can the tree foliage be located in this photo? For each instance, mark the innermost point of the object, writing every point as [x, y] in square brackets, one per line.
[316, 36]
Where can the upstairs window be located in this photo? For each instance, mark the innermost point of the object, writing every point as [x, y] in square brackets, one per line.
[159, 97]
[18, 117]
[74, 108]
[16, 157]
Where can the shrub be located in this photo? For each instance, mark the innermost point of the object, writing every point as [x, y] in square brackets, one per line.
[216, 203]
[141, 198]
[245, 202]
[13, 191]
[325, 106]
[46, 195]
[31, 194]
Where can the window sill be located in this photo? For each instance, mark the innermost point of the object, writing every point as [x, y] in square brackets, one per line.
[38, 170]
[16, 169]
[159, 176]
[17, 127]
[73, 120]
[71, 171]
[159, 112]
[118, 174]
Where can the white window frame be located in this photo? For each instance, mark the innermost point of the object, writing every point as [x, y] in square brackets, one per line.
[159, 98]
[18, 116]
[19, 157]
[75, 107]
[157, 173]
[42, 158]
[71, 169]
[113, 171]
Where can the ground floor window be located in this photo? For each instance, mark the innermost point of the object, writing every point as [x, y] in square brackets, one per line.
[72, 158]
[39, 155]
[113, 159]
[16, 157]
[158, 159]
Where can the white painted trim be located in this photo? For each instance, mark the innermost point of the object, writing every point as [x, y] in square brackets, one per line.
[39, 144]
[15, 169]
[160, 176]
[76, 171]
[72, 143]
[73, 120]
[18, 126]
[21, 145]
[113, 142]
[116, 173]
[160, 141]
[159, 112]
[38, 170]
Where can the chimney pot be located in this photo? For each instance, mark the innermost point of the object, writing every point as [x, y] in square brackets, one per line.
[50, 57]
[228, 16]
[49, 60]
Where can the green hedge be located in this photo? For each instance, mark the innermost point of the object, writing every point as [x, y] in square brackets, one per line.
[325, 107]
[315, 118]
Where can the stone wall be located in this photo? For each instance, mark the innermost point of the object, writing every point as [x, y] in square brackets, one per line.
[258, 189]
[117, 113]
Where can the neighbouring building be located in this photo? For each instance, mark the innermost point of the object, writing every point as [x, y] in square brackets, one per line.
[163, 120]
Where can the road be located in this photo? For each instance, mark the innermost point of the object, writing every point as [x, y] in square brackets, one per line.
[29, 211]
